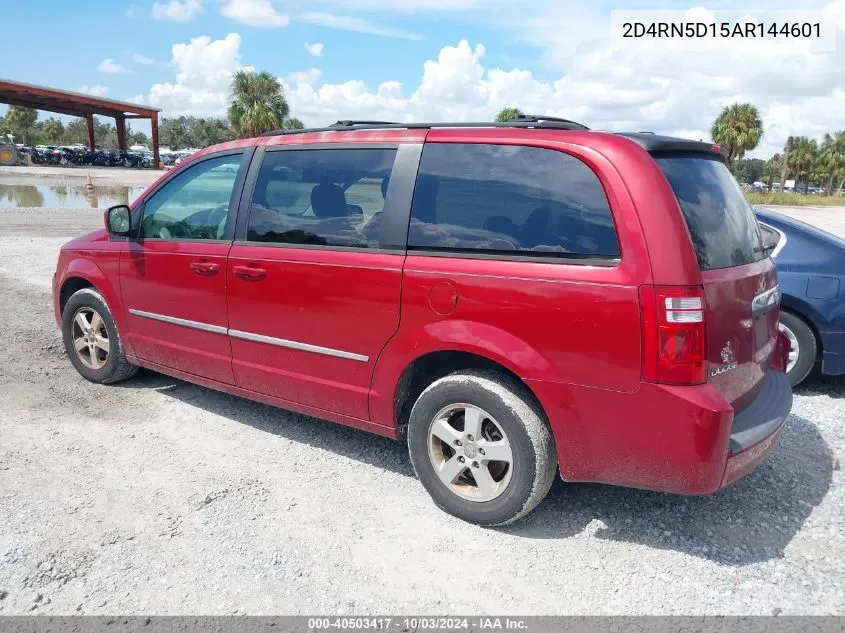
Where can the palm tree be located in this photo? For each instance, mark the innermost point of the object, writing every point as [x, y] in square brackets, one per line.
[21, 120]
[293, 124]
[772, 169]
[784, 165]
[833, 157]
[53, 130]
[258, 103]
[802, 157]
[738, 129]
[506, 114]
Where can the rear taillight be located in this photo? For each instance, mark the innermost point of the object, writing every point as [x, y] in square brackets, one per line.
[674, 350]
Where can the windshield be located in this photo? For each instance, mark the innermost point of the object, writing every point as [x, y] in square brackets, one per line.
[721, 223]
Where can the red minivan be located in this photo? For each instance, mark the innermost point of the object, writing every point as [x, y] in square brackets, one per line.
[512, 299]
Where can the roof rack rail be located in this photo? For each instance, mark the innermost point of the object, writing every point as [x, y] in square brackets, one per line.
[541, 118]
[354, 126]
[353, 123]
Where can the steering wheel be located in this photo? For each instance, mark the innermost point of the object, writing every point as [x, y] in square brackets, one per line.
[212, 225]
[164, 226]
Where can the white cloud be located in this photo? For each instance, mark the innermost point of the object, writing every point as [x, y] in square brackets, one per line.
[310, 76]
[131, 11]
[257, 13]
[96, 90]
[348, 23]
[584, 76]
[605, 88]
[418, 6]
[136, 99]
[140, 58]
[315, 49]
[177, 10]
[111, 67]
[204, 69]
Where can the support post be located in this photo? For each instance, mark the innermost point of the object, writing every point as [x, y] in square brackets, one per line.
[90, 119]
[154, 131]
[120, 120]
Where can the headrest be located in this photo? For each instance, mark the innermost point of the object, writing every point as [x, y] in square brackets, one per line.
[328, 201]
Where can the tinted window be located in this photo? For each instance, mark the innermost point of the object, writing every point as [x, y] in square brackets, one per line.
[330, 197]
[770, 237]
[194, 204]
[504, 198]
[721, 223]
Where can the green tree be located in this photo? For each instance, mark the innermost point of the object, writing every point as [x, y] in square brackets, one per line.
[173, 134]
[76, 132]
[21, 120]
[772, 169]
[105, 134]
[209, 131]
[784, 163]
[506, 114]
[189, 131]
[832, 156]
[737, 129]
[53, 130]
[258, 103]
[293, 124]
[5, 129]
[748, 169]
[137, 138]
[802, 157]
[817, 174]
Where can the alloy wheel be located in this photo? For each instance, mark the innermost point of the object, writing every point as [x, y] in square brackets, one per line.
[470, 452]
[90, 338]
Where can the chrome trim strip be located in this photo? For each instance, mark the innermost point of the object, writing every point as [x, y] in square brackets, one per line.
[249, 336]
[305, 347]
[205, 327]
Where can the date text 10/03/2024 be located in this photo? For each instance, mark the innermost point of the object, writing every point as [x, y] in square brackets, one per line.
[723, 29]
[417, 624]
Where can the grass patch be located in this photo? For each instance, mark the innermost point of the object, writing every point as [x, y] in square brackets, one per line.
[791, 199]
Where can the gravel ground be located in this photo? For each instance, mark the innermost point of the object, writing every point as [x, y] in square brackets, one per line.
[159, 497]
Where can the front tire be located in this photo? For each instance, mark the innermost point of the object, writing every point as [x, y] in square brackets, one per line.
[91, 339]
[481, 448]
[804, 348]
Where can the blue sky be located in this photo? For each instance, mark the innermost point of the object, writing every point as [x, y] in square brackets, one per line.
[427, 59]
[123, 29]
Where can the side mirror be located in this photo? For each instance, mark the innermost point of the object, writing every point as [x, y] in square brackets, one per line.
[118, 220]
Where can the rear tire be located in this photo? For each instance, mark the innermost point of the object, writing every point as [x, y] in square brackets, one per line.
[91, 339]
[483, 490]
[801, 336]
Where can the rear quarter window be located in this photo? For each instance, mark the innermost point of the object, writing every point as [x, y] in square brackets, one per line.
[506, 199]
[721, 223]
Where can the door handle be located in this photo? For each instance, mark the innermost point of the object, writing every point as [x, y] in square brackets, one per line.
[203, 267]
[250, 272]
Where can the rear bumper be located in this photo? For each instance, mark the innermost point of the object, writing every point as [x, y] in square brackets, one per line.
[833, 355]
[683, 440]
[755, 431]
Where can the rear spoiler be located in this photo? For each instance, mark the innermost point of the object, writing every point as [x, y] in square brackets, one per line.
[655, 143]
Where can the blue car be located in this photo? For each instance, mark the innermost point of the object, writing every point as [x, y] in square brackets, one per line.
[811, 273]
